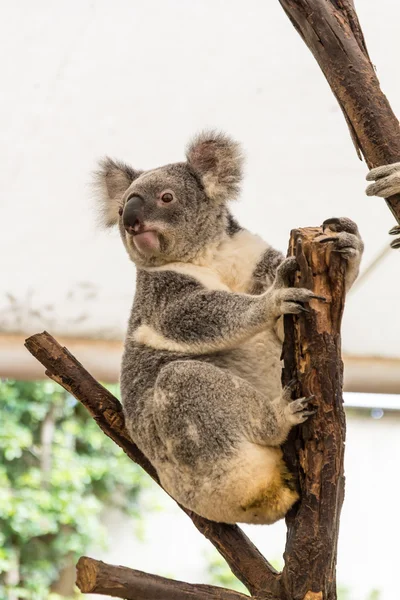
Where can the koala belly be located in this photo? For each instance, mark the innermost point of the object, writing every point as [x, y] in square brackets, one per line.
[251, 486]
[257, 361]
[202, 448]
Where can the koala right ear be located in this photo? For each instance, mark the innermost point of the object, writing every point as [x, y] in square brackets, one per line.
[218, 160]
[111, 182]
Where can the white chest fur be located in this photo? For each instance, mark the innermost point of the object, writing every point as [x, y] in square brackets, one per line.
[235, 260]
[229, 266]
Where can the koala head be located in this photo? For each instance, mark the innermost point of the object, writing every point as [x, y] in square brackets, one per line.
[175, 212]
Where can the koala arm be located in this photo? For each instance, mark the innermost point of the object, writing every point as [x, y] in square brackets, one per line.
[265, 270]
[201, 321]
[211, 320]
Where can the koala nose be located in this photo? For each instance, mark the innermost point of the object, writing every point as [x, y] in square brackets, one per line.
[133, 213]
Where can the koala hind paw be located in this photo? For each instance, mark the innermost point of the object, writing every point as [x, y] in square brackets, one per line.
[298, 410]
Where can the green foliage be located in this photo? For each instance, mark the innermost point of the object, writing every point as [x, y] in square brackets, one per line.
[57, 469]
[344, 593]
[220, 574]
[374, 595]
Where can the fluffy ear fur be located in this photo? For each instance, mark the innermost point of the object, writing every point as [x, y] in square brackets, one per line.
[111, 181]
[218, 161]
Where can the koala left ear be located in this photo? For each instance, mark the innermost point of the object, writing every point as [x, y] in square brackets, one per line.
[111, 181]
[218, 160]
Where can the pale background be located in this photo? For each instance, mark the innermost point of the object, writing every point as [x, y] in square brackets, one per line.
[136, 80]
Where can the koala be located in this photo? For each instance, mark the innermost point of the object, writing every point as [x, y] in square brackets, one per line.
[201, 368]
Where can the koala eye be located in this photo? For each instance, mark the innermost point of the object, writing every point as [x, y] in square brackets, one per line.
[167, 197]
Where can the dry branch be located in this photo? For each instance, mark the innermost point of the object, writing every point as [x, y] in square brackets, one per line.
[331, 30]
[315, 451]
[94, 576]
[246, 562]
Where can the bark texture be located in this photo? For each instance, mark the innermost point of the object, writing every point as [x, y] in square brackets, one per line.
[315, 451]
[331, 30]
[97, 577]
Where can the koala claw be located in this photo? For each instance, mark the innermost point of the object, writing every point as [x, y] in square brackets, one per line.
[291, 300]
[347, 251]
[395, 244]
[339, 224]
[288, 389]
[302, 308]
[395, 230]
[346, 240]
[298, 409]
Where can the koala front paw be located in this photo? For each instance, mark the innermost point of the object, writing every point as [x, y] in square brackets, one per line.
[387, 181]
[283, 300]
[346, 238]
[291, 301]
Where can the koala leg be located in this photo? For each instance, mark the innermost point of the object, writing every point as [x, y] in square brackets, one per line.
[218, 435]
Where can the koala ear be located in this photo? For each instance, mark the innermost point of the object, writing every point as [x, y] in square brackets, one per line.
[218, 160]
[111, 182]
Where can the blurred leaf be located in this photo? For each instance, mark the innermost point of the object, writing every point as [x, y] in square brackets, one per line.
[47, 518]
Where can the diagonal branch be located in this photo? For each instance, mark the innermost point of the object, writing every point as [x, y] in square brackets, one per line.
[97, 577]
[245, 561]
[331, 30]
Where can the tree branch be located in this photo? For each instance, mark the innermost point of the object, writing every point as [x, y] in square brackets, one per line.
[332, 32]
[94, 576]
[245, 561]
[315, 451]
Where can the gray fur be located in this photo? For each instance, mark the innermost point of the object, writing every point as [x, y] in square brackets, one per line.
[218, 161]
[387, 181]
[200, 377]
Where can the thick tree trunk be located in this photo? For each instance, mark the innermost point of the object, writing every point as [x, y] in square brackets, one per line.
[315, 451]
[331, 30]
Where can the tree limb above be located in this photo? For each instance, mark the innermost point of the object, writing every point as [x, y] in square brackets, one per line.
[332, 32]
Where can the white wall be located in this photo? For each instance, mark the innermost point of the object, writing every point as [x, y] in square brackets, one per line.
[135, 79]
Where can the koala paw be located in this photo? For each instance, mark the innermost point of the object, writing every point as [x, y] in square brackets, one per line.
[387, 181]
[283, 300]
[296, 411]
[346, 238]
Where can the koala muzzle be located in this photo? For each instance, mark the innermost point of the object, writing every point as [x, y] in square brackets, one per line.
[132, 216]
